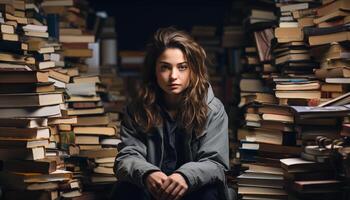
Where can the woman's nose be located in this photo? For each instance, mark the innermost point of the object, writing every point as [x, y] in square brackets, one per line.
[174, 74]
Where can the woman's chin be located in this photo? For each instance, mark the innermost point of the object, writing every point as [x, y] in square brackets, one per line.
[174, 92]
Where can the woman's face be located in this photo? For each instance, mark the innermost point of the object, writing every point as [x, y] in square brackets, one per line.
[172, 71]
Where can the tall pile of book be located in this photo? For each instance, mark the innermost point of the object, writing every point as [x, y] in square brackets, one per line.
[88, 133]
[321, 27]
[28, 101]
[295, 84]
[268, 133]
[316, 174]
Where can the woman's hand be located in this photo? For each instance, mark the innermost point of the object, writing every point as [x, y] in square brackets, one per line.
[173, 188]
[154, 182]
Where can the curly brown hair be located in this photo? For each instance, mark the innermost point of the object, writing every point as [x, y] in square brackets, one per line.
[192, 115]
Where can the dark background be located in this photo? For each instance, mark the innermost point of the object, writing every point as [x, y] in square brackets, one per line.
[136, 20]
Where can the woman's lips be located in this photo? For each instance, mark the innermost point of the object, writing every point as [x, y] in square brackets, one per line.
[174, 85]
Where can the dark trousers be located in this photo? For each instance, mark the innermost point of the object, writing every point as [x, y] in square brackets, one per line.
[128, 191]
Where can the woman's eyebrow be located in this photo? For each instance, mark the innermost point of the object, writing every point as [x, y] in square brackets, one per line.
[182, 63]
[163, 62]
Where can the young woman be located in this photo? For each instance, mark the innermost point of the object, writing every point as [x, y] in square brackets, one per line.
[175, 134]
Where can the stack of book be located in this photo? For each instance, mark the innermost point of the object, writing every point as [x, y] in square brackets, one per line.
[28, 101]
[86, 132]
[268, 134]
[295, 85]
[314, 175]
[329, 48]
[263, 144]
[309, 78]
[93, 125]
[311, 180]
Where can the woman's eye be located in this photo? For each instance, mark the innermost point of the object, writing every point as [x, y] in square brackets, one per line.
[182, 67]
[164, 67]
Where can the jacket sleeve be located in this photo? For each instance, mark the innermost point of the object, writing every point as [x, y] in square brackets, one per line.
[131, 164]
[212, 157]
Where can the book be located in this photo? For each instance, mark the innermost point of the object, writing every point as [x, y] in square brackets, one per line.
[93, 120]
[300, 165]
[9, 37]
[15, 180]
[338, 80]
[15, 67]
[332, 7]
[58, 3]
[327, 87]
[87, 79]
[43, 166]
[294, 7]
[89, 111]
[82, 105]
[90, 130]
[278, 117]
[25, 133]
[77, 53]
[260, 180]
[291, 58]
[341, 72]
[23, 122]
[67, 120]
[35, 153]
[289, 34]
[316, 31]
[82, 89]
[101, 178]
[339, 101]
[104, 170]
[23, 143]
[7, 88]
[329, 38]
[30, 99]
[308, 94]
[23, 77]
[31, 112]
[84, 139]
[59, 76]
[272, 137]
[260, 192]
[319, 112]
[318, 185]
[263, 42]
[105, 152]
[74, 98]
[309, 85]
[330, 16]
[36, 28]
[77, 38]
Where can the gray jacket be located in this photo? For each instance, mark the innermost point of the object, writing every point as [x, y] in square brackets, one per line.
[207, 154]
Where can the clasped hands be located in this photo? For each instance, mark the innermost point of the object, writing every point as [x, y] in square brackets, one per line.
[163, 187]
